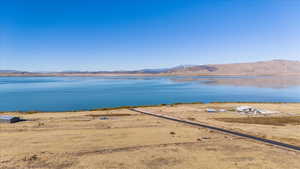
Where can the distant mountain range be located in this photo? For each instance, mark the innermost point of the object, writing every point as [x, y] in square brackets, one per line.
[11, 71]
[273, 67]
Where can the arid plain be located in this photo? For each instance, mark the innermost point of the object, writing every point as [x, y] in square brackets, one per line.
[120, 138]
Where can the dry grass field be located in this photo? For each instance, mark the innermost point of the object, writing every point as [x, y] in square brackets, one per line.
[128, 140]
[283, 126]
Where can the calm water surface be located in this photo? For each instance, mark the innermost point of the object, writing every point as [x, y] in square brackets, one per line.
[82, 93]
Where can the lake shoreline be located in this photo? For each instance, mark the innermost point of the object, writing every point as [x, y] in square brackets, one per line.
[145, 106]
[132, 74]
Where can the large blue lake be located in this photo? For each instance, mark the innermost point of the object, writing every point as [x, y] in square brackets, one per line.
[83, 93]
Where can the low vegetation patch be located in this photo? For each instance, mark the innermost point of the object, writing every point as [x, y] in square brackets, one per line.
[276, 121]
[30, 112]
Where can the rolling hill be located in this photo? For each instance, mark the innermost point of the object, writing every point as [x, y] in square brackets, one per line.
[273, 67]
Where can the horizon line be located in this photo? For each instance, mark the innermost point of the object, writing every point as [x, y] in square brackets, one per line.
[140, 69]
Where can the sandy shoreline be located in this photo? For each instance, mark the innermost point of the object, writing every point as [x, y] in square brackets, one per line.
[144, 106]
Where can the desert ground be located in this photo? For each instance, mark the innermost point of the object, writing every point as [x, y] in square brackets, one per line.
[123, 139]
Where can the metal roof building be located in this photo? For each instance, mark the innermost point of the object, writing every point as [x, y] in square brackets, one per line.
[9, 119]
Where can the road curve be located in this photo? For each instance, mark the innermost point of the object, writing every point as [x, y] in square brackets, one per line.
[268, 141]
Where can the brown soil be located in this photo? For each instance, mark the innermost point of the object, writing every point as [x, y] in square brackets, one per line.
[78, 140]
[276, 121]
[109, 115]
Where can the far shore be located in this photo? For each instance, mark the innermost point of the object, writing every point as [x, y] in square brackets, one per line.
[130, 74]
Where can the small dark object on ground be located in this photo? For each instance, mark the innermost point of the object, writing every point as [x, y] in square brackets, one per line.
[205, 137]
[173, 133]
[104, 118]
[9, 119]
[191, 118]
[199, 139]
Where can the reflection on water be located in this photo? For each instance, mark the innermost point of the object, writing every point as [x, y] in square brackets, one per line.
[261, 82]
[82, 93]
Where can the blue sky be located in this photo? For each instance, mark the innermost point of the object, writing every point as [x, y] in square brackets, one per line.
[134, 34]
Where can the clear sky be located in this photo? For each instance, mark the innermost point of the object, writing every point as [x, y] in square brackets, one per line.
[55, 35]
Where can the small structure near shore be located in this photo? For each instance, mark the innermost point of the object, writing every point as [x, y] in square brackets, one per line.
[253, 111]
[245, 109]
[9, 119]
[104, 118]
[210, 110]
